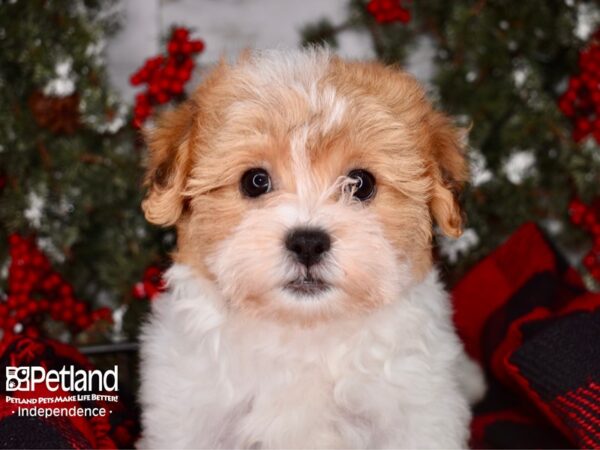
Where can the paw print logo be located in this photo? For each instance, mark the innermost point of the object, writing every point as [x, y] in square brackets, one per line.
[17, 378]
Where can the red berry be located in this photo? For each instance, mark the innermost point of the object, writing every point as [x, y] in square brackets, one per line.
[55, 311]
[142, 99]
[154, 89]
[156, 61]
[8, 334]
[574, 83]
[188, 64]
[83, 322]
[181, 34]
[162, 97]
[143, 74]
[32, 307]
[151, 290]
[170, 71]
[176, 87]
[138, 290]
[576, 206]
[103, 313]
[44, 304]
[21, 314]
[10, 323]
[66, 290]
[67, 315]
[12, 302]
[589, 219]
[186, 48]
[183, 75]
[56, 280]
[32, 332]
[135, 79]
[80, 307]
[590, 260]
[583, 125]
[38, 260]
[197, 46]
[173, 47]
[151, 271]
[164, 84]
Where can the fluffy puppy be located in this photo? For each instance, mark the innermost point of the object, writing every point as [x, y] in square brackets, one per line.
[303, 310]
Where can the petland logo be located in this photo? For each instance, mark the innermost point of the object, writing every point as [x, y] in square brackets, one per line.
[68, 379]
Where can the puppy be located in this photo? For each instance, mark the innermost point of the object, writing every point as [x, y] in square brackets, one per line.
[303, 310]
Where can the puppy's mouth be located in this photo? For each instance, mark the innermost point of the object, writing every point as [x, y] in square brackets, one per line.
[307, 285]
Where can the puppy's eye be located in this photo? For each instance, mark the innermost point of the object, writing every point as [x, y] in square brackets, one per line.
[364, 189]
[255, 182]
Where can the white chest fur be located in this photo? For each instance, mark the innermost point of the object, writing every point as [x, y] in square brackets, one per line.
[390, 379]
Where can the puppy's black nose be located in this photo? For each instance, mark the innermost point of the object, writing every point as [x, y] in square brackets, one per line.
[308, 244]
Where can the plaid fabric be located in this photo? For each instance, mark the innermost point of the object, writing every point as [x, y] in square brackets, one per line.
[20, 431]
[526, 316]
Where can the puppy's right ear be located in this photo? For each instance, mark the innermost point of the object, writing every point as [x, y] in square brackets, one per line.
[169, 164]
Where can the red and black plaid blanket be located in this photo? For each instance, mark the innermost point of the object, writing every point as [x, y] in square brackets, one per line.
[526, 316]
[522, 312]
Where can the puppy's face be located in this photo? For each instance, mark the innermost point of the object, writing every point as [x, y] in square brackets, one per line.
[304, 186]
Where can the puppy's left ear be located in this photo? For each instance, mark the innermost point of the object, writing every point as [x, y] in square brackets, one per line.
[449, 170]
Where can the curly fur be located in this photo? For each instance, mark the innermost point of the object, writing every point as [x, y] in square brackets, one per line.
[233, 359]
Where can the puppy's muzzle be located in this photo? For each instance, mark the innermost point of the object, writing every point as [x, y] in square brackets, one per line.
[308, 245]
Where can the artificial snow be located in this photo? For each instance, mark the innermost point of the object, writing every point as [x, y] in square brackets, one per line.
[480, 174]
[519, 76]
[587, 20]
[46, 245]
[451, 248]
[519, 166]
[64, 83]
[95, 50]
[112, 125]
[4, 274]
[34, 211]
[118, 315]
[553, 226]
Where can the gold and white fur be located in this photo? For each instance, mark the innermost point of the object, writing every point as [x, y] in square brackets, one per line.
[230, 358]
